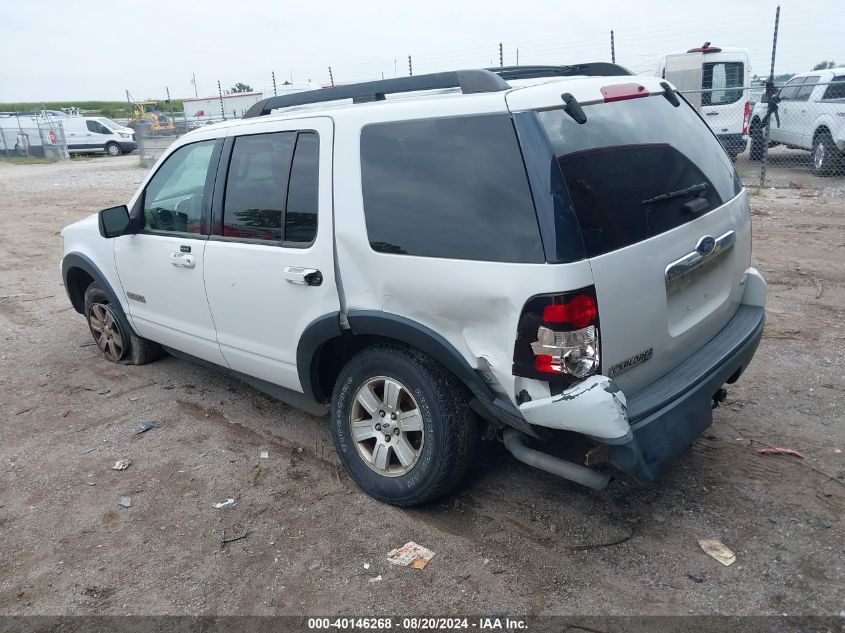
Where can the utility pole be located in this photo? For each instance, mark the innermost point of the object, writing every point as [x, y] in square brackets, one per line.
[194, 81]
[517, 57]
[331, 76]
[273, 74]
[220, 92]
[501, 56]
[771, 109]
[410, 67]
[394, 66]
[612, 48]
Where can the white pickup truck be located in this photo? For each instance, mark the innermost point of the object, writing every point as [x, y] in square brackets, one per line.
[810, 115]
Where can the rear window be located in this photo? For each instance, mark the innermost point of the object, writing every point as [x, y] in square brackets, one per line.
[627, 155]
[721, 82]
[449, 187]
[836, 90]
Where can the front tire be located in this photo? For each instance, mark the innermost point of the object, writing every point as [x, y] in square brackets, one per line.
[111, 332]
[113, 149]
[825, 157]
[401, 425]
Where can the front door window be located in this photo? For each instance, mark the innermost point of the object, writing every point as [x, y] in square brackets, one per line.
[173, 198]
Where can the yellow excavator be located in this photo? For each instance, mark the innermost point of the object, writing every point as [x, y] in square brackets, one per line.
[148, 120]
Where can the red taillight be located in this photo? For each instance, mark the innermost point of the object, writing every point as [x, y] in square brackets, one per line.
[558, 337]
[621, 92]
[746, 117]
[545, 363]
[579, 312]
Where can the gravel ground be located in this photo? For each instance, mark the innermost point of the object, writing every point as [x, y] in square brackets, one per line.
[510, 540]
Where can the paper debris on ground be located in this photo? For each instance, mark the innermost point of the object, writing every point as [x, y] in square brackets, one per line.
[264, 455]
[126, 502]
[716, 549]
[410, 555]
[122, 464]
[376, 579]
[229, 503]
[146, 426]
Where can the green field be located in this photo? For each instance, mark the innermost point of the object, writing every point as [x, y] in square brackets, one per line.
[119, 109]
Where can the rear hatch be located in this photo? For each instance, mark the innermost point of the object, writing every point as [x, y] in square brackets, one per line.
[663, 216]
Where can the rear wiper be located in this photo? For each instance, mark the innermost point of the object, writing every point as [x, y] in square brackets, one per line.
[680, 193]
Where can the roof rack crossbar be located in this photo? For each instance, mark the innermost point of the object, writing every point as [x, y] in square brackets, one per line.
[469, 81]
[590, 69]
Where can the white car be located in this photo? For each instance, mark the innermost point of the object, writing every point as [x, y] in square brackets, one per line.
[810, 115]
[436, 258]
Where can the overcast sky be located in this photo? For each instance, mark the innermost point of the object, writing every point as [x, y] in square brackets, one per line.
[74, 49]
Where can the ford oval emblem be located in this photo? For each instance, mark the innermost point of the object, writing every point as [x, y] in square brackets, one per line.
[705, 245]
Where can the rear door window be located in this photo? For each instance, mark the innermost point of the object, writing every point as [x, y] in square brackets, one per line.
[301, 209]
[625, 169]
[256, 186]
[722, 83]
[449, 187]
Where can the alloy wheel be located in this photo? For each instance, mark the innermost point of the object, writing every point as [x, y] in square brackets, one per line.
[105, 330]
[386, 425]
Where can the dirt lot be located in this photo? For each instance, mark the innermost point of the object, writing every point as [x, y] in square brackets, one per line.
[511, 540]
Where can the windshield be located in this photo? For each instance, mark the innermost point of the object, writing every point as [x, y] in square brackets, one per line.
[638, 168]
[110, 124]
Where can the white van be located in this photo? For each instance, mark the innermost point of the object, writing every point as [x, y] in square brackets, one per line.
[716, 82]
[97, 134]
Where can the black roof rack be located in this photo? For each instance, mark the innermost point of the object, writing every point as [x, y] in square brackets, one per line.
[593, 69]
[469, 81]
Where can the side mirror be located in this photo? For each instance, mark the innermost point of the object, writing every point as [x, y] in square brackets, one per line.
[114, 221]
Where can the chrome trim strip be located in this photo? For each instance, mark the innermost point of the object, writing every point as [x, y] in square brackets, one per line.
[690, 262]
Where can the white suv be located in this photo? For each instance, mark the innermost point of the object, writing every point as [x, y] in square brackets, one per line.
[441, 257]
[807, 113]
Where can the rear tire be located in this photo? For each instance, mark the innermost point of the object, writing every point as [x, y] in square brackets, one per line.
[112, 333]
[113, 149]
[421, 447]
[757, 144]
[826, 159]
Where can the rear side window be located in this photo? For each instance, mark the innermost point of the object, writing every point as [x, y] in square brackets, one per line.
[448, 187]
[836, 89]
[620, 163]
[256, 186]
[722, 82]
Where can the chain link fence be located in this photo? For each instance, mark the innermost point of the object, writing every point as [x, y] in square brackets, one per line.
[32, 137]
[788, 135]
[155, 134]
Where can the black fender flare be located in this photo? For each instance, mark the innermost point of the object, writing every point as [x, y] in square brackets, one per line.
[403, 330]
[386, 325]
[84, 263]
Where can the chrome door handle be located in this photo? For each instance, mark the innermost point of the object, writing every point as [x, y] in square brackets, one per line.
[182, 260]
[303, 276]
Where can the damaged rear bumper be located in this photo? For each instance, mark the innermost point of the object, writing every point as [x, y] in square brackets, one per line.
[645, 430]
